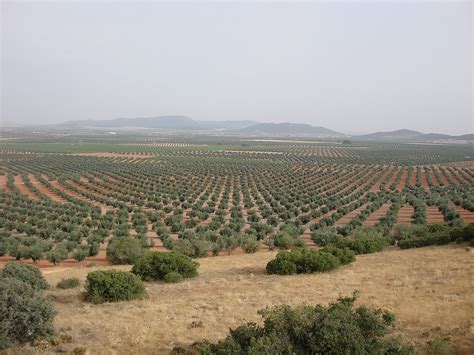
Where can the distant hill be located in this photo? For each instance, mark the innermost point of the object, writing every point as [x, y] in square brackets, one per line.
[164, 122]
[288, 130]
[228, 124]
[184, 123]
[406, 135]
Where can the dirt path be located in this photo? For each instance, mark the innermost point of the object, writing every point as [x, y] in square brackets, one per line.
[24, 190]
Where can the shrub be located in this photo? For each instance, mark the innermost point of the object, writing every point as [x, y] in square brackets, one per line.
[345, 255]
[25, 314]
[70, 282]
[250, 246]
[438, 346]
[112, 286]
[298, 261]
[325, 236]
[306, 329]
[155, 265]
[172, 277]
[435, 234]
[26, 273]
[124, 250]
[287, 241]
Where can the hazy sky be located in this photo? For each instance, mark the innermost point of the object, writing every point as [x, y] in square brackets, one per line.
[349, 66]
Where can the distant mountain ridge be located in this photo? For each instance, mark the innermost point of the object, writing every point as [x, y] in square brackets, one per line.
[180, 123]
[406, 135]
[289, 129]
[184, 123]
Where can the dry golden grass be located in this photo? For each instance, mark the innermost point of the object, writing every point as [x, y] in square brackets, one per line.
[430, 291]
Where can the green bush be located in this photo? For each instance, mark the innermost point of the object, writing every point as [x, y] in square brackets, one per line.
[336, 329]
[25, 314]
[299, 261]
[250, 246]
[26, 273]
[172, 277]
[435, 234]
[124, 250]
[112, 286]
[70, 282]
[287, 241]
[345, 255]
[155, 265]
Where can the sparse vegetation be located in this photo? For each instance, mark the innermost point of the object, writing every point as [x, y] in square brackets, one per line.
[69, 282]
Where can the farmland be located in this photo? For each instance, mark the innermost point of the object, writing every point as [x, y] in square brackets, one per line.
[207, 195]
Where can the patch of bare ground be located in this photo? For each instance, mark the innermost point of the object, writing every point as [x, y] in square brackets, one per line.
[404, 214]
[429, 289]
[43, 189]
[376, 215]
[114, 155]
[3, 182]
[24, 190]
[466, 215]
[433, 215]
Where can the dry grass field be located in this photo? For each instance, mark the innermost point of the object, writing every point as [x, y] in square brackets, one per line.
[429, 289]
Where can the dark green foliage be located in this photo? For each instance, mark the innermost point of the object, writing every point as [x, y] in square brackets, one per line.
[25, 314]
[124, 250]
[155, 265]
[336, 329]
[26, 273]
[300, 260]
[361, 241]
[57, 255]
[435, 234]
[67, 283]
[345, 255]
[112, 286]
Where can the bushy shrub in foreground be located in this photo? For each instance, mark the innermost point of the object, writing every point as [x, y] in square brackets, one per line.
[124, 250]
[112, 286]
[69, 282]
[156, 265]
[301, 260]
[25, 314]
[26, 273]
[337, 329]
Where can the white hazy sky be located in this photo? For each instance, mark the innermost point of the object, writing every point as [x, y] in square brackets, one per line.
[347, 65]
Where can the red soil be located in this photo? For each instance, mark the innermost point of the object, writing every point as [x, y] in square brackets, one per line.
[350, 216]
[424, 182]
[43, 189]
[466, 215]
[376, 187]
[401, 184]
[24, 190]
[374, 217]
[404, 214]
[433, 215]
[3, 182]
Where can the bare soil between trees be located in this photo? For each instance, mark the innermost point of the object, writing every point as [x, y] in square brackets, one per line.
[429, 289]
